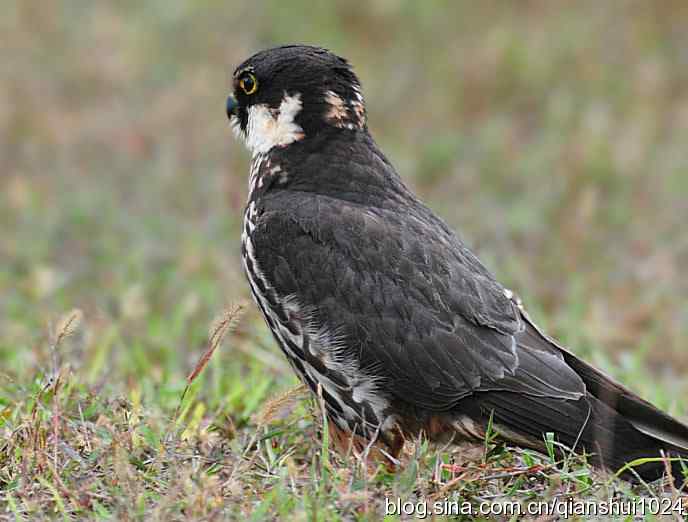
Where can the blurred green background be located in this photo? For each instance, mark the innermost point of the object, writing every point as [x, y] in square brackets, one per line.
[552, 135]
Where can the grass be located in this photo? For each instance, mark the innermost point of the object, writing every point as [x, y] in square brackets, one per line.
[551, 134]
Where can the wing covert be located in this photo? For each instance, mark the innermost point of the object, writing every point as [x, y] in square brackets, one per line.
[418, 309]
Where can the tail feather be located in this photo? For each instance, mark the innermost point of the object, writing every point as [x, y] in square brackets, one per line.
[643, 415]
[611, 420]
[586, 425]
[627, 443]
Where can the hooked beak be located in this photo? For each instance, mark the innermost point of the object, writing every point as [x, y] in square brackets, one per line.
[232, 106]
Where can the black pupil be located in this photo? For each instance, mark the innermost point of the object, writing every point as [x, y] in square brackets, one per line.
[248, 83]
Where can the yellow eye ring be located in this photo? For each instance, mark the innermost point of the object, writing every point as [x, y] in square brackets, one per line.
[248, 83]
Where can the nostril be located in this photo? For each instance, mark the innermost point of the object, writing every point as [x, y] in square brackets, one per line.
[231, 106]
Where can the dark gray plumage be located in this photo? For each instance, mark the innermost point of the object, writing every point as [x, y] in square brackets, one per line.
[381, 308]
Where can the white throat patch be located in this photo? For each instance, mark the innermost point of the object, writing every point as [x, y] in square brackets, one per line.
[268, 128]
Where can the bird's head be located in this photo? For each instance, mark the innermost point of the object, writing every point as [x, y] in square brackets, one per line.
[290, 93]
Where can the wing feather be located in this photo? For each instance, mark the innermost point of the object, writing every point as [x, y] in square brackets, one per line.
[411, 300]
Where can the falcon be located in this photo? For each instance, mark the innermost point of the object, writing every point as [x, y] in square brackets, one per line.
[382, 311]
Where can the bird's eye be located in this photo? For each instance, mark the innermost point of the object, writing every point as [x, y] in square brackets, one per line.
[248, 83]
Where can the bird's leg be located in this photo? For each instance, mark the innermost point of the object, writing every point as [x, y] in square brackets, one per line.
[379, 450]
[374, 451]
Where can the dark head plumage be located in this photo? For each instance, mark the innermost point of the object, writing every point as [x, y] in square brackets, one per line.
[287, 93]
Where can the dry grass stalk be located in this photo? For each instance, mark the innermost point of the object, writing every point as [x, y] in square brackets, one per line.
[220, 327]
[67, 325]
[276, 405]
[222, 324]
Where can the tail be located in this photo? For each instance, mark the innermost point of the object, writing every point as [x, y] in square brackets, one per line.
[640, 429]
[586, 425]
[610, 421]
[617, 442]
